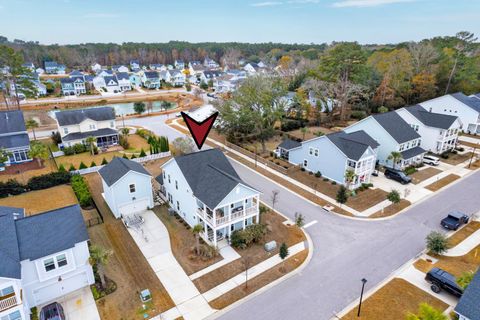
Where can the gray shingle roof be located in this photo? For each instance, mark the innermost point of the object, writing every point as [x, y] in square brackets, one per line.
[31, 238]
[151, 75]
[119, 167]
[15, 141]
[70, 117]
[122, 76]
[110, 81]
[353, 144]
[431, 119]
[209, 174]
[289, 144]
[83, 135]
[12, 121]
[413, 152]
[472, 102]
[396, 126]
[469, 304]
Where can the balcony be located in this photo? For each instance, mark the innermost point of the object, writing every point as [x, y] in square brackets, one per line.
[8, 302]
[227, 218]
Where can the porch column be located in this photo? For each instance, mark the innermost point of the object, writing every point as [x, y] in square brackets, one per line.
[214, 237]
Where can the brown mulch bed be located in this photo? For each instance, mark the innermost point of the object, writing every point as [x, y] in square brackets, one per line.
[24, 171]
[463, 233]
[182, 242]
[394, 301]
[260, 281]
[42, 200]
[154, 166]
[422, 175]
[391, 209]
[470, 144]
[279, 232]
[458, 158]
[127, 267]
[475, 165]
[437, 185]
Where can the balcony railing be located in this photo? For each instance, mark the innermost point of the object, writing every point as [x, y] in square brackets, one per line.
[228, 218]
[7, 303]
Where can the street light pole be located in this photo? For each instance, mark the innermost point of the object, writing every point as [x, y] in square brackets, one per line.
[473, 155]
[361, 296]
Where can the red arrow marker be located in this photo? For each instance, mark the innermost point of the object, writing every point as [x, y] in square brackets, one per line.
[199, 130]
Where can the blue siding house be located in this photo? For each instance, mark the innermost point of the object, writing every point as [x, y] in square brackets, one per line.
[14, 138]
[334, 154]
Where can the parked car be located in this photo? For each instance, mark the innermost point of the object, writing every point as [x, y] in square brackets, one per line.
[442, 280]
[53, 311]
[454, 220]
[431, 160]
[397, 175]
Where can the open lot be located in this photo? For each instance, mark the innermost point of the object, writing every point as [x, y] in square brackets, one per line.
[137, 143]
[458, 158]
[128, 266]
[42, 200]
[422, 175]
[394, 301]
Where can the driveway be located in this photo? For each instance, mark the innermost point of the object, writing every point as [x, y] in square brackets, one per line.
[79, 305]
[347, 250]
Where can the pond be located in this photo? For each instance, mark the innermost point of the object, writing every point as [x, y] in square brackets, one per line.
[126, 108]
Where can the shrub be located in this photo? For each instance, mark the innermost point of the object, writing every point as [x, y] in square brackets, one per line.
[34, 313]
[461, 149]
[125, 156]
[318, 174]
[437, 242]
[48, 180]
[133, 156]
[142, 153]
[291, 124]
[93, 164]
[334, 182]
[252, 234]
[104, 162]
[79, 148]
[263, 209]
[358, 114]
[95, 293]
[207, 251]
[62, 168]
[302, 168]
[72, 168]
[123, 141]
[11, 187]
[56, 138]
[325, 179]
[410, 170]
[80, 188]
[82, 166]
[68, 151]
[394, 196]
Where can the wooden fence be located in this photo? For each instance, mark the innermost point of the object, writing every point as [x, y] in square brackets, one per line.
[93, 222]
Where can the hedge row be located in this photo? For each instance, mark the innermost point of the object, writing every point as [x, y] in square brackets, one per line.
[81, 190]
[13, 187]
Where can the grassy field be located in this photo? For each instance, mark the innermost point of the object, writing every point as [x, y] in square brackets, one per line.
[42, 200]
[394, 301]
[137, 143]
[86, 158]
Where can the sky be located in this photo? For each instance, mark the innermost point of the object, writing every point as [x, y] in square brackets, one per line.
[286, 21]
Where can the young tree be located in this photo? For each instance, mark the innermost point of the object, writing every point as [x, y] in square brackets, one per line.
[342, 195]
[61, 168]
[38, 151]
[274, 198]
[304, 131]
[104, 162]
[99, 257]
[91, 143]
[4, 156]
[350, 177]
[183, 145]
[299, 219]
[283, 253]
[139, 107]
[394, 156]
[32, 124]
[393, 196]
[437, 242]
[125, 131]
[427, 312]
[196, 230]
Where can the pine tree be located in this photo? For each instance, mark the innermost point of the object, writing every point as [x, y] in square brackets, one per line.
[342, 195]
[62, 168]
[82, 166]
[72, 168]
[93, 164]
[142, 153]
[283, 254]
[104, 162]
[125, 156]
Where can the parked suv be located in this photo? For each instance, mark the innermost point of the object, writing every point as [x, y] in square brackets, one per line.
[53, 311]
[431, 160]
[454, 220]
[442, 280]
[397, 175]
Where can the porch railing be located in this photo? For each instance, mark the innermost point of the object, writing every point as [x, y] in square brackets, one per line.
[227, 218]
[8, 303]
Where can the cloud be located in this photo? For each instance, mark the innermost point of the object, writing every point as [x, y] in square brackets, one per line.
[303, 1]
[365, 3]
[266, 4]
[95, 15]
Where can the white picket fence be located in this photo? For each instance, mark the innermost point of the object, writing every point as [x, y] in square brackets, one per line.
[139, 160]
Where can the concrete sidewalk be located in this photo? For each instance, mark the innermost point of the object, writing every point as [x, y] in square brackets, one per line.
[465, 246]
[228, 254]
[154, 242]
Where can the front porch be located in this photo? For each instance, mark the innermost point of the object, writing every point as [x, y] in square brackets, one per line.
[107, 141]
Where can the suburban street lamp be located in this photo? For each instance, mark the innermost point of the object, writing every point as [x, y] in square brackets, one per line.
[361, 296]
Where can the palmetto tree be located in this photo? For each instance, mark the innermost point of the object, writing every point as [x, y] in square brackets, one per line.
[91, 143]
[125, 131]
[395, 156]
[350, 176]
[32, 124]
[38, 151]
[99, 257]
[427, 312]
[197, 229]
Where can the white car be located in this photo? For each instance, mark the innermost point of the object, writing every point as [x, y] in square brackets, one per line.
[431, 160]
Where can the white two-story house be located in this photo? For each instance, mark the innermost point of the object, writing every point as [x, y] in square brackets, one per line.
[150, 79]
[467, 109]
[439, 132]
[123, 80]
[176, 78]
[75, 126]
[14, 138]
[204, 188]
[393, 134]
[43, 258]
[334, 154]
[73, 86]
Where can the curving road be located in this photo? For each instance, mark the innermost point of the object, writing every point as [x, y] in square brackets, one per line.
[347, 250]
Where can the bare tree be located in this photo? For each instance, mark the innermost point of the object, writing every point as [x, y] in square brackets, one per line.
[423, 55]
[274, 198]
[246, 261]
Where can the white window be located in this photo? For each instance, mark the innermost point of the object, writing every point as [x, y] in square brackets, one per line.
[6, 291]
[12, 316]
[311, 151]
[49, 264]
[92, 127]
[65, 130]
[112, 124]
[316, 152]
[62, 260]
[305, 163]
[169, 179]
[176, 184]
[178, 205]
[132, 188]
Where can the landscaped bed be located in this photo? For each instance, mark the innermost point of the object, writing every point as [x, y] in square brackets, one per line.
[42, 200]
[137, 143]
[86, 158]
[260, 281]
[437, 185]
[25, 171]
[391, 209]
[422, 175]
[182, 241]
[278, 231]
[458, 158]
[394, 301]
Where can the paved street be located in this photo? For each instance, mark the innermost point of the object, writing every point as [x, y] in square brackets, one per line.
[348, 250]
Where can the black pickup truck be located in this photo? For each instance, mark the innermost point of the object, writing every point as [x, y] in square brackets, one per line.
[442, 280]
[454, 220]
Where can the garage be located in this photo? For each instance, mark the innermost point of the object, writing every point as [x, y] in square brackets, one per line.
[134, 207]
[60, 288]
